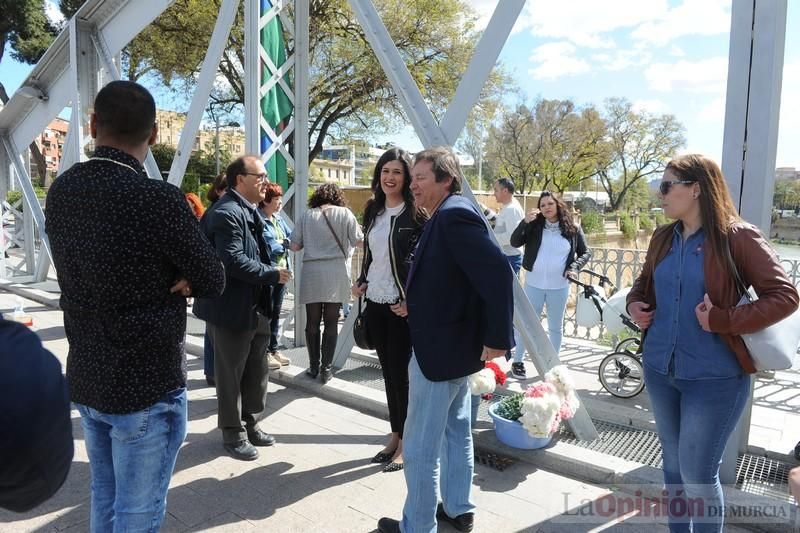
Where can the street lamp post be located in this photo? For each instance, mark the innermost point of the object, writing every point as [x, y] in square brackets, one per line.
[216, 140]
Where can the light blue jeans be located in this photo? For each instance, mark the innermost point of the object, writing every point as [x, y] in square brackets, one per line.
[437, 449]
[695, 419]
[556, 302]
[132, 457]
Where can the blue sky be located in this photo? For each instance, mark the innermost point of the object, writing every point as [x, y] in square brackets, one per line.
[666, 56]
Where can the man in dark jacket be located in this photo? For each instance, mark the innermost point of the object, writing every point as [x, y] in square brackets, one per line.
[238, 320]
[35, 427]
[460, 308]
[128, 251]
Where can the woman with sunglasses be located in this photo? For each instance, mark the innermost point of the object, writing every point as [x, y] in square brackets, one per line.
[696, 366]
[392, 222]
[555, 251]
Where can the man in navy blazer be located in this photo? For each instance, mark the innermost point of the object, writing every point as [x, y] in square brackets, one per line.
[238, 319]
[460, 309]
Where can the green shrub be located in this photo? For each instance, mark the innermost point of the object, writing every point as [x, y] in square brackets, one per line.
[13, 196]
[627, 226]
[646, 223]
[661, 218]
[592, 223]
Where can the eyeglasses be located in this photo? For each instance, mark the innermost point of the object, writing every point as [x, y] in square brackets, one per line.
[665, 186]
[260, 177]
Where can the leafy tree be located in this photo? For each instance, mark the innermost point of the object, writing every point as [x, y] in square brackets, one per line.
[639, 145]
[349, 93]
[25, 27]
[551, 143]
[592, 222]
[514, 146]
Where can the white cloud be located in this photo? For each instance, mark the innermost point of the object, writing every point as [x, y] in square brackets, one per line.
[676, 51]
[557, 59]
[692, 17]
[53, 13]
[704, 76]
[653, 106]
[586, 22]
[714, 111]
[484, 10]
[789, 133]
[622, 59]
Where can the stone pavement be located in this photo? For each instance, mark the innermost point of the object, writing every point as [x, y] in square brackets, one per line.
[316, 478]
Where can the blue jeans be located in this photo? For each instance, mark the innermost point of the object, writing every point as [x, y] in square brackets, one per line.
[278, 292]
[695, 419]
[556, 302]
[437, 449]
[132, 457]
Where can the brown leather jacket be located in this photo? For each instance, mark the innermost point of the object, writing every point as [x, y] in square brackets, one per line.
[758, 266]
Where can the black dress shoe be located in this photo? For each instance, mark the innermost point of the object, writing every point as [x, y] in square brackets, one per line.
[393, 467]
[312, 372]
[463, 522]
[388, 525]
[259, 438]
[382, 457]
[327, 374]
[242, 450]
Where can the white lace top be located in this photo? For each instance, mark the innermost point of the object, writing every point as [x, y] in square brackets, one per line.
[548, 269]
[381, 286]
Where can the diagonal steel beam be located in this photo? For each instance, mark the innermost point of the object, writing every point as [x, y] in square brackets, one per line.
[431, 133]
[216, 47]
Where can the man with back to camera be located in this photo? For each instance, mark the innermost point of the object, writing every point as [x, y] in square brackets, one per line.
[509, 217]
[128, 251]
[460, 306]
[238, 319]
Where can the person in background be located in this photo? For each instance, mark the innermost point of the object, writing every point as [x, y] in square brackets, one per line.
[196, 204]
[326, 232]
[555, 251]
[36, 444]
[696, 365]
[392, 222]
[124, 282]
[276, 234]
[214, 193]
[509, 217]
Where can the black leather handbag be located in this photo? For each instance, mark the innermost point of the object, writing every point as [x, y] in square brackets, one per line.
[360, 332]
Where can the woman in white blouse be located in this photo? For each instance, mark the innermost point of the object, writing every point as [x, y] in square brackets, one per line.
[555, 250]
[392, 225]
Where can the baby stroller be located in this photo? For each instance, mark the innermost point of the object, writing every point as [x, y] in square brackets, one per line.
[620, 372]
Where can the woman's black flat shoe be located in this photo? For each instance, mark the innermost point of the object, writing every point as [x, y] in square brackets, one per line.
[393, 467]
[312, 372]
[383, 457]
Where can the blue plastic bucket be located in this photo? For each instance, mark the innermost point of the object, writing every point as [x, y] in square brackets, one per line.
[512, 433]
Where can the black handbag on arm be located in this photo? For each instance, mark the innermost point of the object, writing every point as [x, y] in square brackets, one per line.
[360, 332]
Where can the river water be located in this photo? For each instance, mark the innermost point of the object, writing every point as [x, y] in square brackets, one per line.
[787, 251]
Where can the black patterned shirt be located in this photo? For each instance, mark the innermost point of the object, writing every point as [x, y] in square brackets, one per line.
[119, 242]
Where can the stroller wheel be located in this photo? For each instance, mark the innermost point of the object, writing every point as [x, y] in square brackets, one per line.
[621, 374]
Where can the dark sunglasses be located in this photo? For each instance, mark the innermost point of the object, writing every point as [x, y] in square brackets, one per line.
[665, 186]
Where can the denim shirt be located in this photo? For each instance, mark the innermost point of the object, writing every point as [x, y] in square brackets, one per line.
[675, 343]
[272, 235]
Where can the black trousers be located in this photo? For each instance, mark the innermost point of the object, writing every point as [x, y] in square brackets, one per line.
[242, 374]
[392, 341]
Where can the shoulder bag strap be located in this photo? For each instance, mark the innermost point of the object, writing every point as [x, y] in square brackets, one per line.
[330, 227]
[737, 278]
